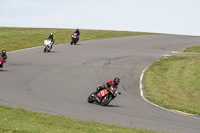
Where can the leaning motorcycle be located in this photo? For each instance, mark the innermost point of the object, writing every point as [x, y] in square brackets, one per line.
[47, 45]
[109, 95]
[74, 38]
[1, 62]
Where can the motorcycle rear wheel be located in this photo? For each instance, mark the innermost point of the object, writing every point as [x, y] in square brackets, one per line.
[91, 98]
[106, 100]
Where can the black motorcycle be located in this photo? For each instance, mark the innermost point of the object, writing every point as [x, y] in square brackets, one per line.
[111, 93]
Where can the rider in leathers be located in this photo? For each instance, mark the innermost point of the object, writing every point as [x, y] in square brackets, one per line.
[110, 83]
[52, 39]
[3, 55]
[78, 33]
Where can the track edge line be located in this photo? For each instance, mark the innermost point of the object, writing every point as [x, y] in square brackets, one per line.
[142, 95]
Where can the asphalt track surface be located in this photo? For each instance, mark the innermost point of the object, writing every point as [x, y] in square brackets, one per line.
[60, 82]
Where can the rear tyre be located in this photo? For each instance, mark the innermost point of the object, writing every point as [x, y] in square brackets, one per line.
[91, 98]
[106, 100]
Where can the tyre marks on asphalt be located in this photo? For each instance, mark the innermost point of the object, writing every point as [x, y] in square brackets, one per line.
[105, 61]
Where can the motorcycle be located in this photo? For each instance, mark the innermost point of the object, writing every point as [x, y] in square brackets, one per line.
[74, 38]
[47, 45]
[110, 94]
[1, 62]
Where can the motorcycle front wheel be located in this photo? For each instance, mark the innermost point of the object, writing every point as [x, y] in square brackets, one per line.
[91, 98]
[106, 100]
[75, 41]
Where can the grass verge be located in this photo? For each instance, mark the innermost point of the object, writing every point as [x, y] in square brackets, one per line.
[194, 49]
[19, 38]
[173, 83]
[23, 121]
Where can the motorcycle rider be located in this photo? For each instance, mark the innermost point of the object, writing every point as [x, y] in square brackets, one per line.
[51, 37]
[3, 55]
[78, 33]
[110, 83]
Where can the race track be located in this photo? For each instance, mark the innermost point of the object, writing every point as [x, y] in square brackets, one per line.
[60, 82]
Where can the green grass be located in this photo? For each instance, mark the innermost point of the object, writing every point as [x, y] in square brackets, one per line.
[19, 38]
[173, 83]
[22, 121]
[194, 49]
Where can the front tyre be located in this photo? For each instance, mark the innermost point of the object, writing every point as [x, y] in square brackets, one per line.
[91, 98]
[44, 49]
[75, 41]
[106, 100]
[50, 48]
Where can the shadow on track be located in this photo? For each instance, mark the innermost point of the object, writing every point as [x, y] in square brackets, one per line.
[113, 106]
[76, 44]
[2, 70]
[51, 52]
[107, 105]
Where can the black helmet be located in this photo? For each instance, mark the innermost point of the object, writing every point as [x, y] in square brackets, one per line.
[77, 30]
[3, 52]
[106, 84]
[51, 34]
[116, 80]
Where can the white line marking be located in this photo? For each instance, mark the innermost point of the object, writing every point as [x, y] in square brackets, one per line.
[24, 49]
[31, 48]
[142, 95]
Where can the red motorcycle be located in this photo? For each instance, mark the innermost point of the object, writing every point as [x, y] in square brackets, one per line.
[74, 38]
[108, 95]
[1, 61]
